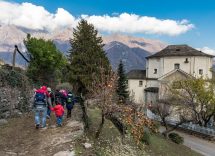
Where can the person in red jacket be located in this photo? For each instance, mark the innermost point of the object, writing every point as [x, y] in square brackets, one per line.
[59, 112]
[40, 103]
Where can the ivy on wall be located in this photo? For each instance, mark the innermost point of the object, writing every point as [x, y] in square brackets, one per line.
[13, 78]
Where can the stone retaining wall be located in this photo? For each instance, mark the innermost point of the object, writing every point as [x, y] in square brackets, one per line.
[13, 102]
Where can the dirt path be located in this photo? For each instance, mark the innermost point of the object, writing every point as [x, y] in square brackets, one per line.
[19, 137]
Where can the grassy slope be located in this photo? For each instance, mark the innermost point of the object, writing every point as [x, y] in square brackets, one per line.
[110, 138]
[161, 146]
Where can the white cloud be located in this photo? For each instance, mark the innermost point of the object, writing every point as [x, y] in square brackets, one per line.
[34, 17]
[131, 23]
[207, 50]
[37, 17]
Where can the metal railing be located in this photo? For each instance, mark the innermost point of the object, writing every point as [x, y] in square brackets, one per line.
[210, 131]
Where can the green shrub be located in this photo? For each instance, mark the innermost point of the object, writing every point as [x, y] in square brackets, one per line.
[13, 78]
[156, 125]
[176, 138]
[146, 138]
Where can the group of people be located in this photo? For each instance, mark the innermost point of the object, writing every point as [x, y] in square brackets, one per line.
[45, 101]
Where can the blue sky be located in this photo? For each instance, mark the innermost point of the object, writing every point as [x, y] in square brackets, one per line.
[198, 12]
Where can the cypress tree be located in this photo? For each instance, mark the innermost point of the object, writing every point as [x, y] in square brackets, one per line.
[122, 87]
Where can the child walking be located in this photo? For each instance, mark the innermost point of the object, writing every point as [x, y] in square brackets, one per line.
[59, 112]
[69, 104]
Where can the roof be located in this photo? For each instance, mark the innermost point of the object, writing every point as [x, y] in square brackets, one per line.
[179, 50]
[152, 89]
[136, 74]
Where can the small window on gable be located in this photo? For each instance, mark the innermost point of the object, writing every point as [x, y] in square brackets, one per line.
[140, 83]
[186, 60]
[200, 71]
[155, 71]
[177, 66]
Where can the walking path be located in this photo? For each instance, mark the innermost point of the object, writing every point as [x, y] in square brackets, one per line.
[20, 138]
[199, 145]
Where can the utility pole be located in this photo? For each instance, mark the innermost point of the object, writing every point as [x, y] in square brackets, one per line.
[16, 49]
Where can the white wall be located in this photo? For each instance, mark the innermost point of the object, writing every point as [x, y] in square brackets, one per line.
[166, 64]
[152, 83]
[204, 63]
[138, 91]
[169, 64]
[133, 85]
[152, 64]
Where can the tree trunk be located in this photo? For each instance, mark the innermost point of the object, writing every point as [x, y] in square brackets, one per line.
[207, 120]
[85, 116]
[118, 124]
[100, 126]
[164, 123]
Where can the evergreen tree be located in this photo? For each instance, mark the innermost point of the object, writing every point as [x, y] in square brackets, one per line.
[122, 87]
[87, 56]
[46, 62]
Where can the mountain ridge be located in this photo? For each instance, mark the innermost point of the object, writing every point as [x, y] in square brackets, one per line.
[132, 50]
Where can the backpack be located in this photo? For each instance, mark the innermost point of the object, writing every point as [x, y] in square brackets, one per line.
[58, 97]
[70, 98]
[40, 99]
[69, 101]
[63, 92]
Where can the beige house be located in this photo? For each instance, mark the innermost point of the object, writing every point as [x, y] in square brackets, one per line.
[175, 62]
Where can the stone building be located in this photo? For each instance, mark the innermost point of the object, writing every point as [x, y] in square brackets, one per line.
[175, 62]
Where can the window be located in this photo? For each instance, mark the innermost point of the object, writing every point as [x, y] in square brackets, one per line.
[186, 60]
[155, 71]
[140, 83]
[177, 66]
[200, 71]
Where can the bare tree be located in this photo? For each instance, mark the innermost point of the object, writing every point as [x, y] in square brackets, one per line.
[197, 96]
[105, 94]
[122, 115]
[168, 107]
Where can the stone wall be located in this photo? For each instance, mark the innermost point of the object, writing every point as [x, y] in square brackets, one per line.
[15, 93]
[13, 102]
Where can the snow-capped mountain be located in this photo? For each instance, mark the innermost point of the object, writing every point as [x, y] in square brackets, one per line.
[131, 50]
